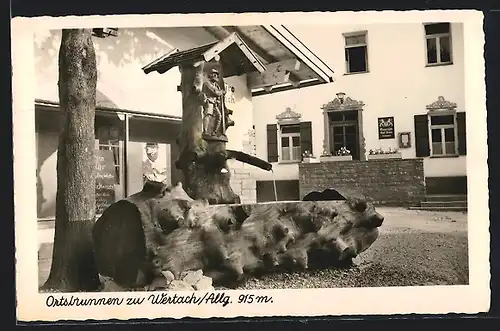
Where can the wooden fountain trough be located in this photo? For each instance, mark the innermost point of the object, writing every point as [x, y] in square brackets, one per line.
[161, 231]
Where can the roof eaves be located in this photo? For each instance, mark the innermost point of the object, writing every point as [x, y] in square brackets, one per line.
[311, 60]
[161, 58]
[286, 87]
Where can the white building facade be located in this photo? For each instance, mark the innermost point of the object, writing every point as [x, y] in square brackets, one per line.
[398, 88]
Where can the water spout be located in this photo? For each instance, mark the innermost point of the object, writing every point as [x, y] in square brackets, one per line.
[249, 159]
[274, 185]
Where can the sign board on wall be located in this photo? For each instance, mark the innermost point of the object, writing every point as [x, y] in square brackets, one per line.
[386, 128]
[404, 139]
[105, 180]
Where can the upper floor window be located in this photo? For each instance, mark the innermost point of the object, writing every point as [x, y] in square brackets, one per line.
[438, 43]
[356, 52]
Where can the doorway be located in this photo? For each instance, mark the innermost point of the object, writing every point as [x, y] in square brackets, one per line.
[344, 132]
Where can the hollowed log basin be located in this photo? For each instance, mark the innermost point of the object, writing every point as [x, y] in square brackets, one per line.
[162, 231]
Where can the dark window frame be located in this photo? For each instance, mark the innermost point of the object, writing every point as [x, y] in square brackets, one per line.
[290, 135]
[347, 118]
[442, 127]
[357, 45]
[437, 37]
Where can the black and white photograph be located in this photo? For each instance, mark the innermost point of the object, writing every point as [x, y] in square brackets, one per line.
[234, 163]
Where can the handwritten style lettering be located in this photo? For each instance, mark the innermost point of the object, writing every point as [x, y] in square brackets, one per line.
[164, 298]
[75, 301]
[212, 298]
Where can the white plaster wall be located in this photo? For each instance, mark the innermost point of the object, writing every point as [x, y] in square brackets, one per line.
[398, 84]
[119, 63]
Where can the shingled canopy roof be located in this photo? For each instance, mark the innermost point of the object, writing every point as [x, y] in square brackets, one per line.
[235, 56]
[271, 56]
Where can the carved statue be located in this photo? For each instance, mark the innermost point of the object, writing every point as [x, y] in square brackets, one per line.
[212, 99]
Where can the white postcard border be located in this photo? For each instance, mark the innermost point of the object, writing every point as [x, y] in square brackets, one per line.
[31, 306]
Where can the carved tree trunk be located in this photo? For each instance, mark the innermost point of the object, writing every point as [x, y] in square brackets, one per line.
[150, 238]
[73, 264]
[200, 160]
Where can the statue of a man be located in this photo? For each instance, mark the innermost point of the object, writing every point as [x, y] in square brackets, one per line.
[211, 97]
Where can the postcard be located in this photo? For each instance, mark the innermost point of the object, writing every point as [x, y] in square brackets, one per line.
[256, 164]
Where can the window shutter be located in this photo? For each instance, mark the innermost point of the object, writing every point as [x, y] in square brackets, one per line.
[305, 137]
[272, 143]
[461, 133]
[421, 136]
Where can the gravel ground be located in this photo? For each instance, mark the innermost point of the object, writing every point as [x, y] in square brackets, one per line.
[415, 248]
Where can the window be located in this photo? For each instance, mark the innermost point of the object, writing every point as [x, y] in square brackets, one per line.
[438, 43]
[356, 55]
[109, 136]
[440, 134]
[443, 135]
[287, 142]
[290, 143]
[114, 146]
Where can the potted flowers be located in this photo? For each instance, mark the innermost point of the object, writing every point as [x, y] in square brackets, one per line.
[343, 154]
[307, 157]
[378, 154]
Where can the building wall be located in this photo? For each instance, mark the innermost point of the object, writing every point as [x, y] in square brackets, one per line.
[384, 182]
[398, 84]
[122, 84]
[119, 63]
[46, 144]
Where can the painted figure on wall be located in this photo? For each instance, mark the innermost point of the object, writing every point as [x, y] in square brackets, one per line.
[152, 168]
[212, 99]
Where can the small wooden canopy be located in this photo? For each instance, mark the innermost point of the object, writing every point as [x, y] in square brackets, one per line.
[273, 58]
[236, 57]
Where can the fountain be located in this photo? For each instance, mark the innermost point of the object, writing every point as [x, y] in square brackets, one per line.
[163, 232]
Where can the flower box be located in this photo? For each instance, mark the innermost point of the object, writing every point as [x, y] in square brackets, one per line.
[335, 158]
[384, 156]
[310, 160]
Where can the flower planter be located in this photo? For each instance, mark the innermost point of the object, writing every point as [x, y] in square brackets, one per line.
[335, 158]
[310, 160]
[384, 156]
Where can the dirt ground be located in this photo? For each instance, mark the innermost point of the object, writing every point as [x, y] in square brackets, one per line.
[414, 248]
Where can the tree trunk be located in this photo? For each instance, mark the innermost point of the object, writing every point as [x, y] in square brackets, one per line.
[200, 160]
[141, 238]
[73, 264]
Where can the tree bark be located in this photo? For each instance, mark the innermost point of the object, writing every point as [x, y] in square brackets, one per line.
[73, 264]
[172, 233]
[200, 160]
